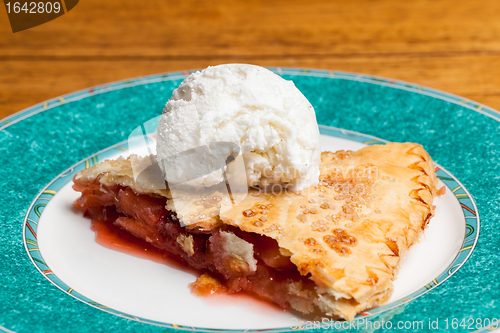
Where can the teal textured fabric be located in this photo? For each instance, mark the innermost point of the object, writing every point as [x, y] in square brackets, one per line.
[460, 135]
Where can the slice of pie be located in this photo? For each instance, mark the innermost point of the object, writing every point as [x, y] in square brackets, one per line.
[334, 247]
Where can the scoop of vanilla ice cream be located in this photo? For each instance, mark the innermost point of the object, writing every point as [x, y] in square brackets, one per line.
[267, 116]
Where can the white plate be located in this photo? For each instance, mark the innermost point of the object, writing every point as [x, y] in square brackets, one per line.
[148, 291]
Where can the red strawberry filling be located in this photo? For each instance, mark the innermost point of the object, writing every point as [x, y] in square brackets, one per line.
[273, 278]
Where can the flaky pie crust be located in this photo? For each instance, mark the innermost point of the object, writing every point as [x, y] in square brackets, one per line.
[349, 232]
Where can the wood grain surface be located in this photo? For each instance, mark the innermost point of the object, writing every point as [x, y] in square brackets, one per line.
[452, 45]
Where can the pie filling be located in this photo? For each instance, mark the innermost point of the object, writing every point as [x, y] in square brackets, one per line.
[346, 236]
[242, 261]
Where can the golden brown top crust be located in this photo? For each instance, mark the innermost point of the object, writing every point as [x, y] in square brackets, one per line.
[120, 172]
[350, 231]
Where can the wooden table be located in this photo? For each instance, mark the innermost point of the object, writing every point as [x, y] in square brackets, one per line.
[452, 45]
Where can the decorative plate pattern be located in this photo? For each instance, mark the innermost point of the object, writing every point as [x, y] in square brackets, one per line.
[38, 143]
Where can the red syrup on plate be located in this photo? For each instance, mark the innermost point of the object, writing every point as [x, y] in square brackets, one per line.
[209, 286]
[117, 239]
